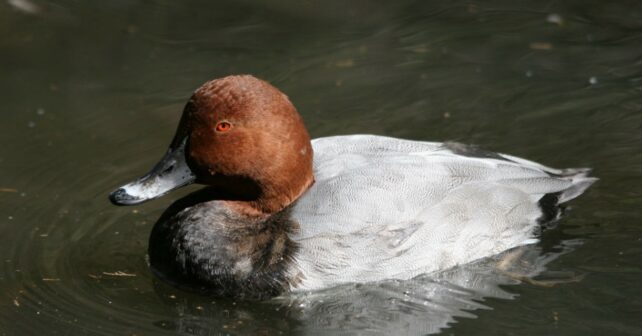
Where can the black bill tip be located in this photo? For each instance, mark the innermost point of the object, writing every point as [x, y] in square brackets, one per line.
[121, 197]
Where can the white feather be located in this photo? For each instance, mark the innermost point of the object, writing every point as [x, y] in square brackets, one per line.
[389, 208]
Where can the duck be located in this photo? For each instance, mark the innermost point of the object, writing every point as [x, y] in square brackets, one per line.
[280, 213]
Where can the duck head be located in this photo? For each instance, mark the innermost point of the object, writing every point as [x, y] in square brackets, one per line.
[241, 136]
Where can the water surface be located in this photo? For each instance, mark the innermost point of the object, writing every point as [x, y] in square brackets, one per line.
[91, 93]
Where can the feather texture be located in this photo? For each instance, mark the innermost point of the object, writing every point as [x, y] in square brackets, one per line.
[389, 208]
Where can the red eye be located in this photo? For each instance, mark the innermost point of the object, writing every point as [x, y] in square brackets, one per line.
[223, 126]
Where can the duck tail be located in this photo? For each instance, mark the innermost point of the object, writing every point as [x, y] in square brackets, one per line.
[551, 204]
[580, 181]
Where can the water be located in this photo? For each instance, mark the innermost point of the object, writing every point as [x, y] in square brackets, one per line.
[91, 93]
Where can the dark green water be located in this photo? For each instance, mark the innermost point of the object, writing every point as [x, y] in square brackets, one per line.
[90, 94]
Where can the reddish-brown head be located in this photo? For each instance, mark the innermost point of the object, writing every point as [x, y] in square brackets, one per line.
[244, 137]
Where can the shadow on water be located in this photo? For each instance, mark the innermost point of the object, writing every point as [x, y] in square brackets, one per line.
[91, 93]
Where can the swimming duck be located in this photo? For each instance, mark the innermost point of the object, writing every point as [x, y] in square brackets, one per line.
[282, 213]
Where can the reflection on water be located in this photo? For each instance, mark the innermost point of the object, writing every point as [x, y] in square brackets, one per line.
[91, 93]
[427, 304]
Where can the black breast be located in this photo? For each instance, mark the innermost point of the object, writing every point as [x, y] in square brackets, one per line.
[199, 244]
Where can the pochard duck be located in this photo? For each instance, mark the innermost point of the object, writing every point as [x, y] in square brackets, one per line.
[281, 213]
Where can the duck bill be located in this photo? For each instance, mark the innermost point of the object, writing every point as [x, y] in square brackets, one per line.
[172, 172]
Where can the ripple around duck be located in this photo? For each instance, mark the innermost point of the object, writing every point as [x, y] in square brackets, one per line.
[77, 266]
[60, 283]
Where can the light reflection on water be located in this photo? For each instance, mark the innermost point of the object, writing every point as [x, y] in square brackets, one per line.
[91, 93]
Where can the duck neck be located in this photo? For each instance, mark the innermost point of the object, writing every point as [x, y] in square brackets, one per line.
[259, 199]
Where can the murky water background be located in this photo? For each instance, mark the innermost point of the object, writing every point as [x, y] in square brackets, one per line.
[90, 94]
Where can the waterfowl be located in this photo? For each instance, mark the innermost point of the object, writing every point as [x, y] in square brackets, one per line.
[282, 213]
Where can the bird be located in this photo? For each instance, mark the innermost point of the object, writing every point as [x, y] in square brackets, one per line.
[280, 213]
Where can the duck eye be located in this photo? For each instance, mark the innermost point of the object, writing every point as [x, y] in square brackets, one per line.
[223, 126]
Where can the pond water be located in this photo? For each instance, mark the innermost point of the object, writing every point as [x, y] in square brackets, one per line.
[90, 97]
